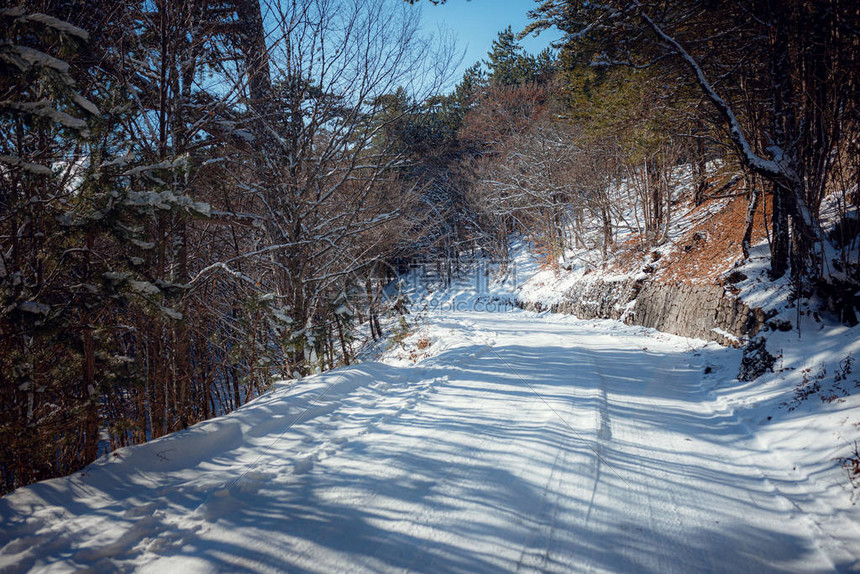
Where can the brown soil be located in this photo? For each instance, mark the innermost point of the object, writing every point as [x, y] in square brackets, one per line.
[706, 251]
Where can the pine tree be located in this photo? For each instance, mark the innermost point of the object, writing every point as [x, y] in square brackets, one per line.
[507, 63]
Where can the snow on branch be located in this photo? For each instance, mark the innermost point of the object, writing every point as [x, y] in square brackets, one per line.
[763, 166]
[59, 25]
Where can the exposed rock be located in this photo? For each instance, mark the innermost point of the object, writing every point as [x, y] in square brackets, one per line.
[779, 325]
[756, 360]
[703, 311]
[736, 277]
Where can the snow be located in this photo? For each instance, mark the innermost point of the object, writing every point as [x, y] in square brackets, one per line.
[86, 104]
[172, 313]
[34, 307]
[121, 161]
[35, 168]
[165, 199]
[758, 289]
[485, 438]
[485, 442]
[144, 287]
[35, 57]
[59, 25]
[45, 109]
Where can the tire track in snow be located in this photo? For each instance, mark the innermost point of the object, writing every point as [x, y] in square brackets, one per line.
[666, 517]
[441, 484]
[534, 556]
[604, 433]
[553, 508]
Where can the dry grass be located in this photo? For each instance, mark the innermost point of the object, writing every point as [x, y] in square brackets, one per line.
[703, 252]
[629, 254]
[711, 247]
[546, 257]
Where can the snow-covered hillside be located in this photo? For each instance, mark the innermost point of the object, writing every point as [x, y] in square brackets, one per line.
[483, 441]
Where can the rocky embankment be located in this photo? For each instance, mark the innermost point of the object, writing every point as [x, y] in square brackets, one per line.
[710, 312]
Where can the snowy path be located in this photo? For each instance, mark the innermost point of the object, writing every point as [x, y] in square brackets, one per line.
[623, 463]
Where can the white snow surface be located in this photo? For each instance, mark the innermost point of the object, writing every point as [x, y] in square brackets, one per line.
[514, 442]
[489, 440]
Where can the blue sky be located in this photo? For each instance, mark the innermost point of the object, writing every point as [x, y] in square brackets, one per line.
[476, 23]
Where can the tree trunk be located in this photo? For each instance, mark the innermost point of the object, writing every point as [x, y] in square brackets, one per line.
[699, 165]
[91, 422]
[779, 242]
[157, 381]
[342, 341]
[755, 194]
[181, 334]
[256, 55]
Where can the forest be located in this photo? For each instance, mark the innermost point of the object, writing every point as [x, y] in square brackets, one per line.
[200, 197]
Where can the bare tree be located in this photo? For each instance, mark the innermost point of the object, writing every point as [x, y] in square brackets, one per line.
[325, 172]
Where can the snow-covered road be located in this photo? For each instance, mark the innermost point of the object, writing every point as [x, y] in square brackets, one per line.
[521, 444]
